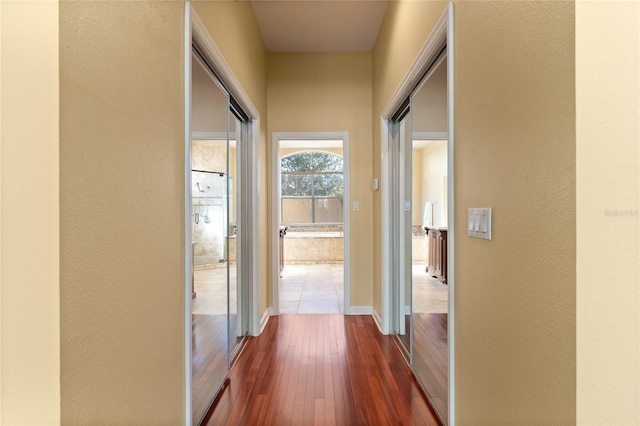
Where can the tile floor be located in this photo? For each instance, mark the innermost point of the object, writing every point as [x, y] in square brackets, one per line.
[307, 289]
[312, 289]
[211, 287]
[430, 296]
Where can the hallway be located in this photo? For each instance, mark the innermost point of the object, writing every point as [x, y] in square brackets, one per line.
[321, 369]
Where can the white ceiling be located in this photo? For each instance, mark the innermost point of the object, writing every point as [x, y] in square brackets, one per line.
[319, 25]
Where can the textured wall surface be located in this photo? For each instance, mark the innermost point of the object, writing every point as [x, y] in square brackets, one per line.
[608, 193]
[122, 203]
[29, 266]
[331, 92]
[515, 152]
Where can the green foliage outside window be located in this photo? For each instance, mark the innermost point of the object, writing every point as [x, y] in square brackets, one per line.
[316, 177]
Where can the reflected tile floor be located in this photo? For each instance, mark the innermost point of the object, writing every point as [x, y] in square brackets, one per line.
[211, 290]
[312, 289]
[430, 296]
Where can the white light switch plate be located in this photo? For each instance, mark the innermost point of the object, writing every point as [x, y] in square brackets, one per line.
[356, 206]
[479, 223]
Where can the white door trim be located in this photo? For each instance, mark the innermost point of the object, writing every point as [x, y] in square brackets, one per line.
[441, 35]
[275, 208]
[188, 403]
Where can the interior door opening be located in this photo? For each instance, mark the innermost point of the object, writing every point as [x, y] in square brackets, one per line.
[312, 183]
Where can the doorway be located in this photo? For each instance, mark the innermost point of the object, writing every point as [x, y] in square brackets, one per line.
[310, 213]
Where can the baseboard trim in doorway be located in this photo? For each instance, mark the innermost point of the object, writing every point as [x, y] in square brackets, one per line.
[360, 310]
[265, 319]
[377, 319]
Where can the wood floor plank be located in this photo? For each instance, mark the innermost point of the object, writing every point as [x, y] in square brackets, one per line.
[431, 358]
[321, 369]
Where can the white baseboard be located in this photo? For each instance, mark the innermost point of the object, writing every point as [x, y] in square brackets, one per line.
[265, 319]
[360, 310]
[378, 319]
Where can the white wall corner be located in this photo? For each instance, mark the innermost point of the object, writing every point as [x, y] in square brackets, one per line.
[264, 320]
[378, 320]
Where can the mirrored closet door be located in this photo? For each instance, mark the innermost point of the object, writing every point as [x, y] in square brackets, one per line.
[219, 130]
[419, 291]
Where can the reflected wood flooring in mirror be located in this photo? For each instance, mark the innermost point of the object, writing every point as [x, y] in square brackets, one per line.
[431, 358]
[209, 359]
[321, 369]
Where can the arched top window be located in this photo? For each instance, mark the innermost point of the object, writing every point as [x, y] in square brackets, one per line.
[311, 161]
[312, 188]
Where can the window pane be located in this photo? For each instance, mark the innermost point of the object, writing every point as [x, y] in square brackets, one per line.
[310, 161]
[296, 185]
[328, 185]
[312, 188]
[328, 210]
[296, 210]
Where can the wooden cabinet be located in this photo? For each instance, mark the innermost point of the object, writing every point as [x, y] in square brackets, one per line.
[437, 257]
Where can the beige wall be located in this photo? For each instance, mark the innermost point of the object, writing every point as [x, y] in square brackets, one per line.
[234, 29]
[428, 173]
[608, 174]
[429, 104]
[122, 207]
[29, 214]
[417, 198]
[209, 104]
[331, 92]
[515, 152]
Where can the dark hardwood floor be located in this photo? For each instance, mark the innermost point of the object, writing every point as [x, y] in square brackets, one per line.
[321, 369]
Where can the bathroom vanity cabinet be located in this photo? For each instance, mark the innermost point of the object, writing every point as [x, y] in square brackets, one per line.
[437, 257]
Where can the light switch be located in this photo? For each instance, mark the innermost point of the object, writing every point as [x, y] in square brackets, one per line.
[479, 221]
[407, 206]
[356, 206]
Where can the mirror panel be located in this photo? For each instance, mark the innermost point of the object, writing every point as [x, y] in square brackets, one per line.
[430, 351]
[210, 212]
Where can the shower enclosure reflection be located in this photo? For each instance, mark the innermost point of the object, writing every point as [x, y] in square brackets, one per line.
[216, 333]
[210, 224]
